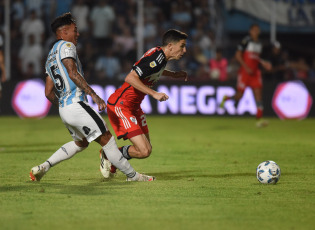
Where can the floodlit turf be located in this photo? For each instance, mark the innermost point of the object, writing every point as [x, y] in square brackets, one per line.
[205, 169]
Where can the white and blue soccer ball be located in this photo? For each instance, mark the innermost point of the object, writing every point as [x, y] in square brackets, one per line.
[268, 172]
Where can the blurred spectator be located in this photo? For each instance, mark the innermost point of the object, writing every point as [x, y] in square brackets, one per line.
[207, 44]
[102, 17]
[279, 64]
[30, 72]
[31, 55]
[48, 15]
[125, 69]
[112, 24]
[80, 12]
[107, 66]
[150, 29]
[289, 73]
[88, 59]
[218, 67]
[119, 25]
[124, 42]
[150, 33]
[312, 71]
[181, 14]
[196, 60]
[62, 6]
[34, 5]
[151, 10]
[301, 68]
[232, 69]
[33, 26]
[18, 10]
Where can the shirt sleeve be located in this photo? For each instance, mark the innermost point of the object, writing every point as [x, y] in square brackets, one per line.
[149, 65]
[242, 45]
[68, 50]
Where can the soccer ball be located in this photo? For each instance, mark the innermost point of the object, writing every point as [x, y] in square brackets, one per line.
[268, 172]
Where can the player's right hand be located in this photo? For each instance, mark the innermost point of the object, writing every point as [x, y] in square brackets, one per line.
[267, 65]
[160, 96]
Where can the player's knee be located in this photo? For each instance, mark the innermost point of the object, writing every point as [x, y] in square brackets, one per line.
[82, 144]
[146, 152]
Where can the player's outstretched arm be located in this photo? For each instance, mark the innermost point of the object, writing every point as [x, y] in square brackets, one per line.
[179, 74]
[266, 64]
[133, 79]
[81, 82]
[49, 91]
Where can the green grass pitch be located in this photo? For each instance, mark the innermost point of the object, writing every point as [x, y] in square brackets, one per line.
[205, 169]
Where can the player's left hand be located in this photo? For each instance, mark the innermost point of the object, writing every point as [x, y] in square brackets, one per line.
[100, 102]
[181, 74]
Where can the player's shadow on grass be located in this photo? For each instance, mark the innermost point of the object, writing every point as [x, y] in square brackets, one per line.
[196, 174]
[189, 175]
[28, 145]
[93, 187]
[28, 148]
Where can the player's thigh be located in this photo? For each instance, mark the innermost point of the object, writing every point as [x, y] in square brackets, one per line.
[141, 142]
[148, 137]
[242, 82]
[142, 121]
[124, 122]
[256, 85]
[83, 121]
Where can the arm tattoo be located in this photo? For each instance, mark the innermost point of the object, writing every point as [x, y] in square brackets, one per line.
[76, 77]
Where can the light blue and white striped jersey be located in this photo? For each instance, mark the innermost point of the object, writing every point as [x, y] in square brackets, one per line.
[66, 88]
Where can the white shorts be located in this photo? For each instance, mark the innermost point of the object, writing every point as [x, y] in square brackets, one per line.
[82, 121]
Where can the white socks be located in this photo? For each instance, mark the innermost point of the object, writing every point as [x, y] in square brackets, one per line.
[116, 158]
[111, 150]
[67, 151]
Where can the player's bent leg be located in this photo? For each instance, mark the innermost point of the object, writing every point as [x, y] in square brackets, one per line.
[115, 157]
[105, 164]
[141, 147]
[239, 94]
[106, 168]
[67, 151]
[224, 99]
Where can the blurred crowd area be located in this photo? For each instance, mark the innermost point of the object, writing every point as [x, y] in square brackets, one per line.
[107, 45]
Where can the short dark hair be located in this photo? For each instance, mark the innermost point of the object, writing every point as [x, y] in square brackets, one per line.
[62, 20]
[173, 35]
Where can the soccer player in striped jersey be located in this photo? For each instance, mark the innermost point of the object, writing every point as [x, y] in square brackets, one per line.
[65, 79]
[123, 106]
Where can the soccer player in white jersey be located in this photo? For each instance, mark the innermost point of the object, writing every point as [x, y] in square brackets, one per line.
[66, 88]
